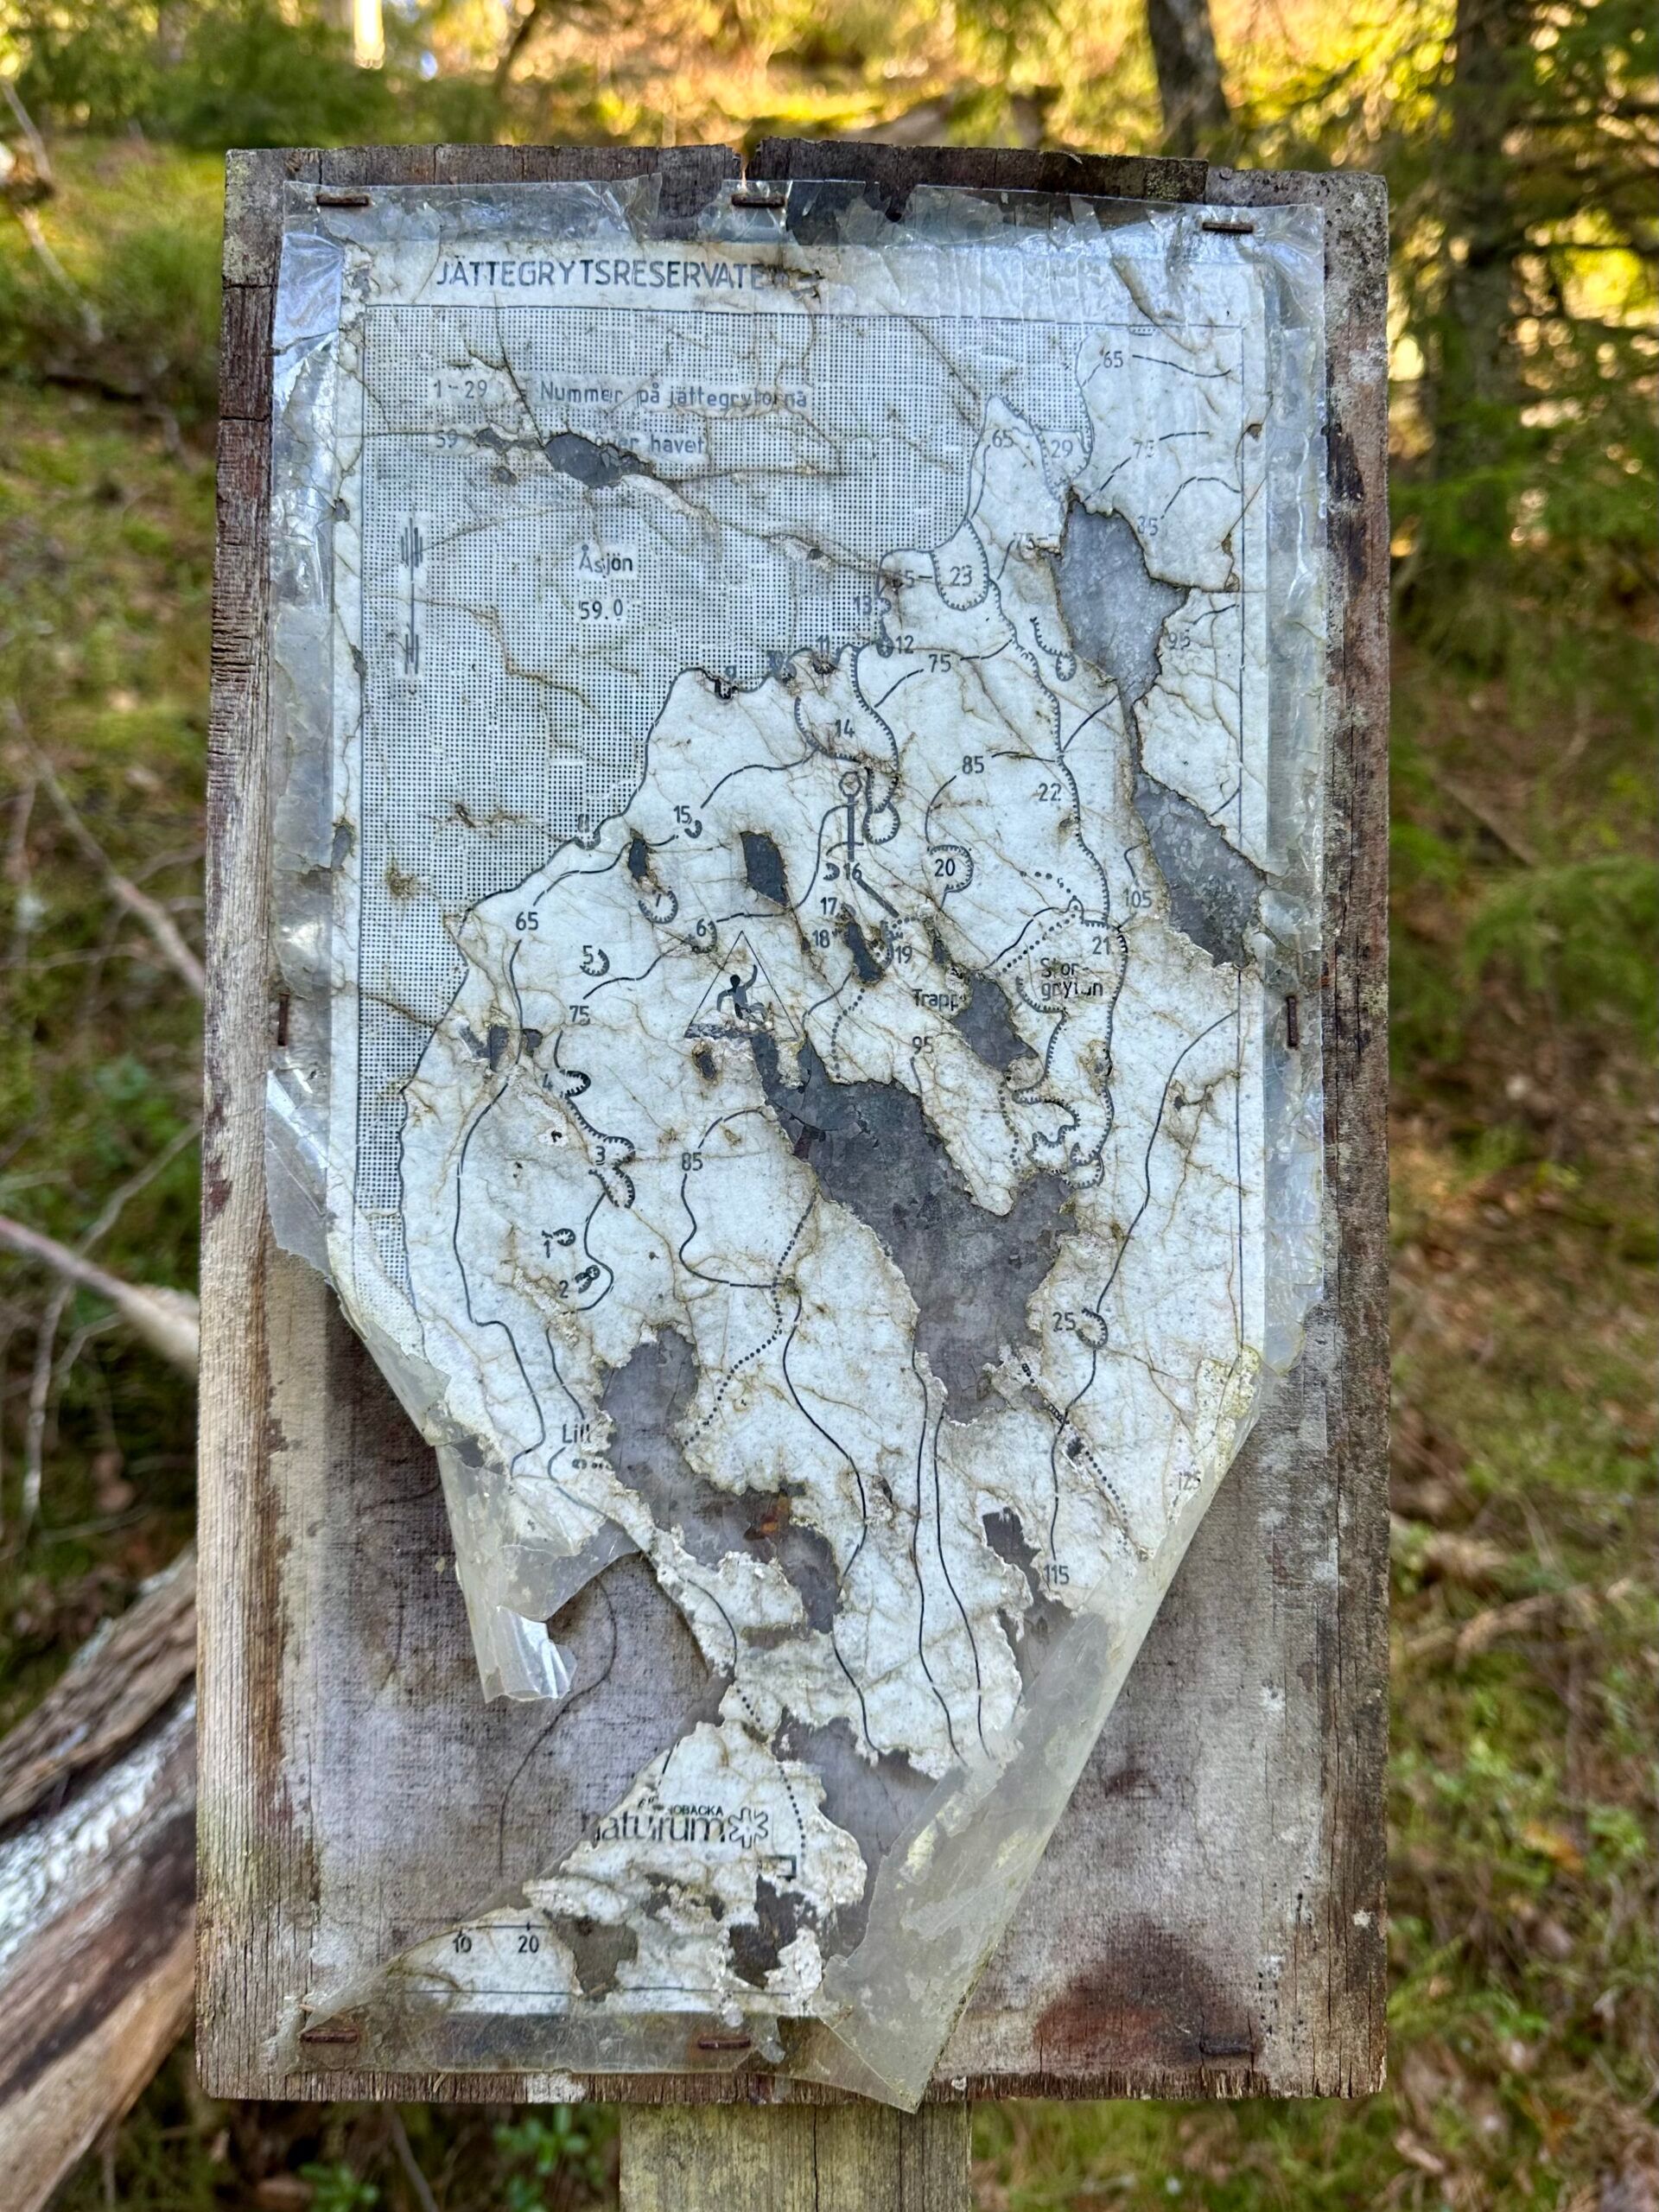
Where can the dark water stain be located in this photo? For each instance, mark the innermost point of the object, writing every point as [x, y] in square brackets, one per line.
[1007, 1540]
[1214, 892]
[864, 960]
[985, 1023]
[757, 1945]
[1033, 1631]
[1115, 610]
[1134, 1784]
[598, 466]
[598, 1950]
[970, 1272]
[1151, 2006]
[875, 1800]
[1115, 607]
[644, 1398]
[763, 866]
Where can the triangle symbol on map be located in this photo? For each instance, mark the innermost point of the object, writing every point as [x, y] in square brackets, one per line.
[741, 1002]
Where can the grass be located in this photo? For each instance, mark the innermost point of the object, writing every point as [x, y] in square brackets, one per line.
[1525, 2046]
[105, 529]
[135, 230]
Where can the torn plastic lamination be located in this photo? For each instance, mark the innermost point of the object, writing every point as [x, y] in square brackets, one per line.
[743, 469]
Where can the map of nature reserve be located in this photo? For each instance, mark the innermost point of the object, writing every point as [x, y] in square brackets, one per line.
[797, 864]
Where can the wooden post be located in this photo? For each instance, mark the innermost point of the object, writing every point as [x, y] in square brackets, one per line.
[794, 2158]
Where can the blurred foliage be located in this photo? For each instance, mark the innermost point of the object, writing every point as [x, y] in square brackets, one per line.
[1518, 137]
[183, 2151]
[138, 236]
[228, 73]
[561, 2149]
[1519, 140]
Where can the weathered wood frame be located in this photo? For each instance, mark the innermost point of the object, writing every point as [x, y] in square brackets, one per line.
[1209, 1918]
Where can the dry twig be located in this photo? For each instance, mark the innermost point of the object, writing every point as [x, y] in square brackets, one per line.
[1462, 1641]
[1476, 808]
[40, 1400]
[410, 2165]
[24, 184]
[23, 906]
[162, 928]
[166, 1320]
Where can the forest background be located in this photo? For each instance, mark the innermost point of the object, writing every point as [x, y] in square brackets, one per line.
[1521, 142]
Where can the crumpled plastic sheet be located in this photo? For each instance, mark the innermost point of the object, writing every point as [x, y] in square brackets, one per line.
[873, 1974]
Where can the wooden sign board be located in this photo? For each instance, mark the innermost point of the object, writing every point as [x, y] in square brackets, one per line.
[1208, 1919]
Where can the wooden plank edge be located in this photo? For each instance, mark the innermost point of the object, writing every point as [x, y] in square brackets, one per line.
[113, 1687]
[252, 1859]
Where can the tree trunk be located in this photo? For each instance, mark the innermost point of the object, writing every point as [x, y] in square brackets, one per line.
[1194, 99]
[1471, 392]
[524, 28]
[96, 1888]
[364, 22]
[368, 34]
[1474, 378]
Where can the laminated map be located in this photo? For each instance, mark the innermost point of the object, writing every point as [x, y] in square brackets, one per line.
[798, 746]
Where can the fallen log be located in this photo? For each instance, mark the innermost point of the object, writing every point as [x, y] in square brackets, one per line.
[97, 1791]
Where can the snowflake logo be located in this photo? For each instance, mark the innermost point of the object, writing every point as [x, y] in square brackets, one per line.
[748, 1826]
